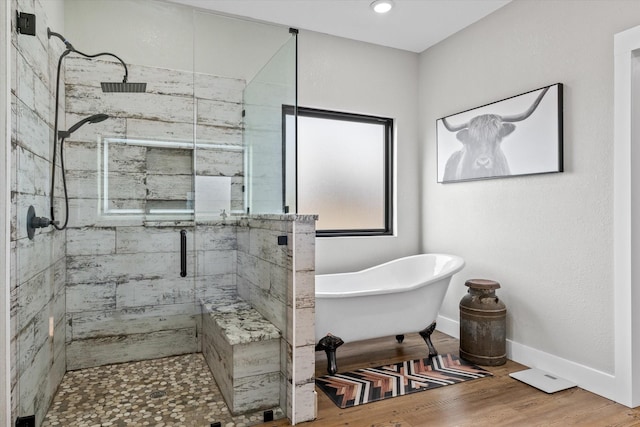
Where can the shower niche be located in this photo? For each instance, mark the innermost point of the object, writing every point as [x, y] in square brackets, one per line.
[157, 179]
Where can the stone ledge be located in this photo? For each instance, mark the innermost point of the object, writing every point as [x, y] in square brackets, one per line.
[239, 322]
[242, 350]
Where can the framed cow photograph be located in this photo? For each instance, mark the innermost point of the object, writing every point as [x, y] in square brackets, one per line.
[521, 135]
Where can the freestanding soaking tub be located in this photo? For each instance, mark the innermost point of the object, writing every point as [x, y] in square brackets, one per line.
[394, 298]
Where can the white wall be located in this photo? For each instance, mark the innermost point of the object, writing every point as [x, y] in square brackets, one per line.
[141, 32]
[547, 239]
[54, 10]
[166, 35]
[350, 76]
[235, 48]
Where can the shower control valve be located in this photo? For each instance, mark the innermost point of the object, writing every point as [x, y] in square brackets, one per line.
[40, 222]
[34, 222]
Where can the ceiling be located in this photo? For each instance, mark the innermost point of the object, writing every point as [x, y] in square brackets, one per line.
[412, 25]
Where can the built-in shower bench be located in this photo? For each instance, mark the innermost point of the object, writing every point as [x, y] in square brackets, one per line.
[242, 349]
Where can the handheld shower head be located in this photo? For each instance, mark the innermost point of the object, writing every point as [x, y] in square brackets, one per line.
[96, 118]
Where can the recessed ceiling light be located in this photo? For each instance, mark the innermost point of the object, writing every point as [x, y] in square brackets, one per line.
[382, 6]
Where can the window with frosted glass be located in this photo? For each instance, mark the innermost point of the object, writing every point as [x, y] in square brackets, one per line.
[344, 172]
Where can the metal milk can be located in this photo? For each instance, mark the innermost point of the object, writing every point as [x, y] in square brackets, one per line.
[483, 338]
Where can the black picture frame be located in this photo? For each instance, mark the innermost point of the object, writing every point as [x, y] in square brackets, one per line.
[516, 136]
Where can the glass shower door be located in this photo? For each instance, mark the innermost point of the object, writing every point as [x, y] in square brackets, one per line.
[231, 272]
[109, 288]
[270, 92]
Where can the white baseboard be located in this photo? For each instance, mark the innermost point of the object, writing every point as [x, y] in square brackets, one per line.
[448, 326]
[598, 382]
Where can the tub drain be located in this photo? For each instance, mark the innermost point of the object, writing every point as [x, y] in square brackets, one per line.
[156, 394]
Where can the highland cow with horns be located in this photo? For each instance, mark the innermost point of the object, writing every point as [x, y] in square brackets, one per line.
[481, 155]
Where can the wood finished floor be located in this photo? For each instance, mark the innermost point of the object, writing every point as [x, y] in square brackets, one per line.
[493, 401]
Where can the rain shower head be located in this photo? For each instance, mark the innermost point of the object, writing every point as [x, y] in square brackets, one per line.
[124, 87]
[107, 87]
[96, 118]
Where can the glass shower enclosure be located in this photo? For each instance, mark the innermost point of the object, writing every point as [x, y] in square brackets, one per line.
[157, 197]
[271, 91]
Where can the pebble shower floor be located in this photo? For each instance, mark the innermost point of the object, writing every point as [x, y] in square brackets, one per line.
[172, 391]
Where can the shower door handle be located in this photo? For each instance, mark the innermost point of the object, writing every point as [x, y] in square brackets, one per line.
[183, 253]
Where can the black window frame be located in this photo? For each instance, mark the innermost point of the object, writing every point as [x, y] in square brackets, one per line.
[388, 124]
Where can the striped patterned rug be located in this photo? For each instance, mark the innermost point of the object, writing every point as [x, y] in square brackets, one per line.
[372, 384]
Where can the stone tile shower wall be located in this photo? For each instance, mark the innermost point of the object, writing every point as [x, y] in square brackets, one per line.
[37, 273]
[302, 297]
[268, 277]
[125, 298]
